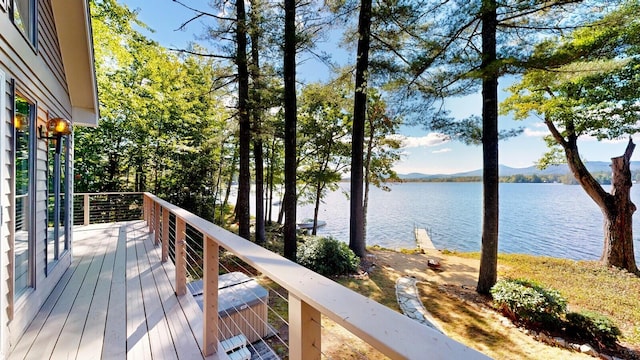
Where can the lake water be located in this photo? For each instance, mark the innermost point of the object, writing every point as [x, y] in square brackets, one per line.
[542, 219]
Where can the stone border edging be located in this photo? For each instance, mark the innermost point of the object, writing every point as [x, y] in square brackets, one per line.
[411, 305]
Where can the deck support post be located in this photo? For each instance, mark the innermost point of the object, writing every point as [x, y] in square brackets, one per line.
[87, 212]
[304, 330]
[147, 211]
[181, 257]
[165, 235]
[156, 225]
[210, 294]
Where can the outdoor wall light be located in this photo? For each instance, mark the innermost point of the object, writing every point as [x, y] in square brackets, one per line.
[57, 128]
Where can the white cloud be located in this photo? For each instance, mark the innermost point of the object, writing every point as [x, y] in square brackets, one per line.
[429, 140]
[589, 138]
[586, 138]
[445, 150]
[535, 133]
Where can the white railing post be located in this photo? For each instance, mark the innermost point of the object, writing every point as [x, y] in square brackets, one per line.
[210, 296]
[165, 234]
[304, 330]
[181, 258]
[87, 213]
[156, 225]
[149, 212]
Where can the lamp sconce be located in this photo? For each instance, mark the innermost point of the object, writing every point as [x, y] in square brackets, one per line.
[56, 128]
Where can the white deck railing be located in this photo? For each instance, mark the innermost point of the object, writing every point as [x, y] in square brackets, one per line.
[310, 295]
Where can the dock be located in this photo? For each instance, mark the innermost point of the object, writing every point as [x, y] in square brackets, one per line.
[423, 240]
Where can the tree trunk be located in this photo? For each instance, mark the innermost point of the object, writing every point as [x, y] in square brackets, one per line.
[618, 230]
[367, 169]
[290, 123]
[270, 177]
[490, 179]
[217, 188]
[617, 208]
[257, 153]
[244, 139]
[356, 223]
[256, 112]
[316, 209]
[232, 168]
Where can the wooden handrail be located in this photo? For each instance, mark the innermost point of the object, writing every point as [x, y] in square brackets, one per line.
[311, 294]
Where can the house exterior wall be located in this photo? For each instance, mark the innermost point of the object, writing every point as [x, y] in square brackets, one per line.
[39, 77]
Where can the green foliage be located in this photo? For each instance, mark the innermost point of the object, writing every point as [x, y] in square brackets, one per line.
[586, 82]
[592, 326]
[162, 127]
[529, 302]
[327, 256]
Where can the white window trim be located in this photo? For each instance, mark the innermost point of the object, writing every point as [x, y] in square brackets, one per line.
[3, 197]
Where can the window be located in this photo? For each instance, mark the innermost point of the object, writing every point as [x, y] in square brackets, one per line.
[24, 118]
[57, 200]
[23, 13]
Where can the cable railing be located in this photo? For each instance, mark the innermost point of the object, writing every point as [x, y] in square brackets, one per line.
[264, 306]
[89, 208]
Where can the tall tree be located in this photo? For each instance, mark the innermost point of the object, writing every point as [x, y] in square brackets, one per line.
[490, 178]
[160, 117]
[382, 148]
[244, 138]
[255, 34]
[590, 88]
[290, 124]
[324, 149]
[356, 220]
[477, 42]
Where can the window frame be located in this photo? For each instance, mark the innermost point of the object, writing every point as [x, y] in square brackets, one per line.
[60, 219]
[32, 37]
[32, 200]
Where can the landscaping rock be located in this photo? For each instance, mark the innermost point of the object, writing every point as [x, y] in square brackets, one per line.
[587, 349]
[560, 342]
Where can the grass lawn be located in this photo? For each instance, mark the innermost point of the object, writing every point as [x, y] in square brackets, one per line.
[467, 317]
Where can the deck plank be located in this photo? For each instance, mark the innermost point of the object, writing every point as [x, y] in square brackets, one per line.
[138, 346]
[156, 322]
[28, 338]
[116, 301]
[48, 336]
[115, 331]
[69, 339]
[94, 330]
[187, 347]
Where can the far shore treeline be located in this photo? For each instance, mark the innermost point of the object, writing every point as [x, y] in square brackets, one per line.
[567, 179]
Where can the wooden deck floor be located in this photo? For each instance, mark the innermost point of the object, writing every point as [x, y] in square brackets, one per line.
[116, 301]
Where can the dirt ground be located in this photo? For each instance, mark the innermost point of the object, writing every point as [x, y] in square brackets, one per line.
[453, 270]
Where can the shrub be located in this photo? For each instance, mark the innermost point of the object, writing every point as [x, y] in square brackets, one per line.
[327, 256]
[529, 302]
[591, 326]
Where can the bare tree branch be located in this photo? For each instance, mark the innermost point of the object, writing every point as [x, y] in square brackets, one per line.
[215, 56]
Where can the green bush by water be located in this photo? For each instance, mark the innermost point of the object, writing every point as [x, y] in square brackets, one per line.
[589, 326]
[327, 256]
[529, 302]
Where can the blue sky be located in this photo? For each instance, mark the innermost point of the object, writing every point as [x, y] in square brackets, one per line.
[424, 152]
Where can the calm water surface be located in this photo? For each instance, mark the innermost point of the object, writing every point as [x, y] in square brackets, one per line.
[543, 219]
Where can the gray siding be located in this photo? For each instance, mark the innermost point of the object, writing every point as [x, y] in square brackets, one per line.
[40, 77]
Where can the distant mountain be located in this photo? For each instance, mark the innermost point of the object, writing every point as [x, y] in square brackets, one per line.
[592, 166]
